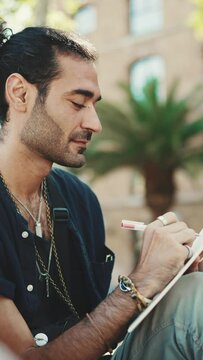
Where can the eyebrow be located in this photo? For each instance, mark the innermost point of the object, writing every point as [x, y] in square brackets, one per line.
[83, 92]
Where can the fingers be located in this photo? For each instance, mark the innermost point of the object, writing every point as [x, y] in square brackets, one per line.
[185, 236]
[162, 221]
[200, 258]
[189, 251]
[167, 218]
[165, 248]
[168, 226]
[172, 236]
[178, 232]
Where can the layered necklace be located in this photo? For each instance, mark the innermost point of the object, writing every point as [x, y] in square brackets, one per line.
[44, 271]
[37, 221]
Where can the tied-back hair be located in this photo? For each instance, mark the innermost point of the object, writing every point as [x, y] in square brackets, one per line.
[32, 53]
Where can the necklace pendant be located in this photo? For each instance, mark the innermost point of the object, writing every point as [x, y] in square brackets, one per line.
[47, 286]
[38, 229]
[40, 277]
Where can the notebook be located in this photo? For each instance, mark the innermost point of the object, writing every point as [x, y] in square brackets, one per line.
[197, 249]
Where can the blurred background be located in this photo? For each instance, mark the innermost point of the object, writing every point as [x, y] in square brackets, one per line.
[149, 158]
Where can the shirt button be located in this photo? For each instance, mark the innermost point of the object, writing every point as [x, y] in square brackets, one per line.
[30, 287]
[25, 234]
[41, 339]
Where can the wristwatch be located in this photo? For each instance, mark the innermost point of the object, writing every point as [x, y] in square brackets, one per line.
[126, 285]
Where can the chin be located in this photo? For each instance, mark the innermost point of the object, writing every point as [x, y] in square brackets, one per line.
[73, 161]
[81, 151]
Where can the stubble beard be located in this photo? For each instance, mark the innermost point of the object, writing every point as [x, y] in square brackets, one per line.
[42, 135]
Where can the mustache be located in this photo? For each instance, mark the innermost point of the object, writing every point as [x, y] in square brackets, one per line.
[82, 135]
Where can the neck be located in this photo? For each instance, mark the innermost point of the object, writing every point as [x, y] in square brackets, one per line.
[34, 211]
[23, 171]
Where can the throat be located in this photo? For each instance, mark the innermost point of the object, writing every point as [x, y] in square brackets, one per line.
[35, 212]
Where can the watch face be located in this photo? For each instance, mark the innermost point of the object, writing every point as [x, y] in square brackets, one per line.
[124, 287]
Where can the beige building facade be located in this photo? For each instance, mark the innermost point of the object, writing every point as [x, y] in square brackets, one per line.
[135, 40]
[119, 47]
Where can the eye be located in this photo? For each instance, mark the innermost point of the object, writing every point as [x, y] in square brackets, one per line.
[77, 105]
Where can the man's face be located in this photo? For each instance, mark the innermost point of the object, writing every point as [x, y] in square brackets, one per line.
[60, 128]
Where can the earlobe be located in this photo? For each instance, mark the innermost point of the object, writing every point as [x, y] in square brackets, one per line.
[16, 92]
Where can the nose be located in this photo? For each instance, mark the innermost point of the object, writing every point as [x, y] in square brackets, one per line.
[91, 120]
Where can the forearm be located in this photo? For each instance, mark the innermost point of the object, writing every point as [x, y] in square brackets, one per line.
[82, 341]
[162, 255]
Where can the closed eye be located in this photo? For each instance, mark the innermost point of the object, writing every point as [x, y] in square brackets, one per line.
[77, 105]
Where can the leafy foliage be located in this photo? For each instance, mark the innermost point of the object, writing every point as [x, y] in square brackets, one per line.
[146, 130]
[152, 135]
[55, 13]
[196, 18]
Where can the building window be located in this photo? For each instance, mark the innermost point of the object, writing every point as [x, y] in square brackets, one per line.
[145, 16]
[144, 70]
[86, 19]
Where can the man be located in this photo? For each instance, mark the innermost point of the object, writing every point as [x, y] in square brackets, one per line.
[54, 267]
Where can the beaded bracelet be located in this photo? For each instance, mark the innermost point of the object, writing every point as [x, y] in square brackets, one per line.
[108, 347]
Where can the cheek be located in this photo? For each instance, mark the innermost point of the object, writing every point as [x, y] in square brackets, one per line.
[63, 114]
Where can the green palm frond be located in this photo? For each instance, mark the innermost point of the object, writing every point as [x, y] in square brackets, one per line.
[191, 129]
[148, 128]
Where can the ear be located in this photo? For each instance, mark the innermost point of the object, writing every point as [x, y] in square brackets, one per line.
[16, 92]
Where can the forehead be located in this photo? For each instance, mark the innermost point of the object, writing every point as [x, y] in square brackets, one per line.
[76, 73]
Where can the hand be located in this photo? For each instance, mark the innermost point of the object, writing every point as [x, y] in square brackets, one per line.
[194, 267]
[162, 255]
[200, 262]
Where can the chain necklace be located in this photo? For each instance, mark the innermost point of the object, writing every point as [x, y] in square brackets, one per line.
[45, 274]
[38, 226]
[64, 295]
[46, 270]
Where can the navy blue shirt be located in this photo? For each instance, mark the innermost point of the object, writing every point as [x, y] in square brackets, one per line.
[81, 249]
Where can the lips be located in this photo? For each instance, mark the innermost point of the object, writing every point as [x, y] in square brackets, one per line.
[80, 144]
[80, 141]
[81, 138]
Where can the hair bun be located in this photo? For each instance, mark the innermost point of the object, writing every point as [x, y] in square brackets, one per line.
[5, 33]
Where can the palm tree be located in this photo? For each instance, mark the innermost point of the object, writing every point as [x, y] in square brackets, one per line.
[151, 135]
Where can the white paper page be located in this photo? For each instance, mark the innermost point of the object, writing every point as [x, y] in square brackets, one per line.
[197, 249]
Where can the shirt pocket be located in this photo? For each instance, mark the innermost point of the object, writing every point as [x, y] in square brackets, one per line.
[103, 271]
